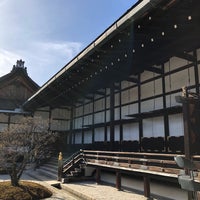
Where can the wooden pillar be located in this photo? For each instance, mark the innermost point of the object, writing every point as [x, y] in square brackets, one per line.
[82, 132]
[146, 186]
[93, 122]
[50, 116]
[105, 116]
[166, 117]
[98, 175]
[196, 72]
[187, 131]
[120, 116]
[112, 116]
[118, 180]
[71, 125]
[139, 111]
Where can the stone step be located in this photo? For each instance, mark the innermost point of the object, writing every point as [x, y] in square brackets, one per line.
[48, 169]
[75, 173]
[69, 179]
[78, 169]
[49, 174]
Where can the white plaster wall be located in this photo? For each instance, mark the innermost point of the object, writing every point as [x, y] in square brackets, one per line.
[153, 127]
[78, 123]
[60, 119]
[124, 84]
[171, 100]
[78, 111]
[88, 108]
[148, 105]
[127, 110]
[87, 137]
[3, 118]
[99, 105]
[176, 127]
[133, 108]
[99, 134]
[125, 96]
[15, 118]
[78, 138]
[107, 115]
[60, 113]
[182, 78]
[175, 63]
[146, 75]
[108, 133]
[147, 90]
[131, 131]
[3, 127]
[133, 94]
[117, 98]
[88, 119]
[117, 113]
[117, 133]
[43, 114]
[108, 102]
[99, 117]
[60, 125]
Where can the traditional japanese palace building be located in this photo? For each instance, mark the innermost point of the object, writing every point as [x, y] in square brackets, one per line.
[120, 95]
[119, 92]
[15, 88]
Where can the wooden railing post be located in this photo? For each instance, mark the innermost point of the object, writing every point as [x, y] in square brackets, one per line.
[146, 186]
[98, 175]
[118, 180]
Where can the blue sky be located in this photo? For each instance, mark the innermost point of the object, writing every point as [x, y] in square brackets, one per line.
[47, 34]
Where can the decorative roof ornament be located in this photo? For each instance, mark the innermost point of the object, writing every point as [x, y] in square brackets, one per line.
[19, 64]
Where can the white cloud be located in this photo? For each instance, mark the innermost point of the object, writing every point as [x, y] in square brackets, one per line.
[63, 50]
[42, 59]
[3, 2]
[50, 58]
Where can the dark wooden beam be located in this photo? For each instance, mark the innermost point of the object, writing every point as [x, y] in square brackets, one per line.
[132, 79]
[117, 86]
[89, 97]
[100, 93]
[154, 69]
[186, 56]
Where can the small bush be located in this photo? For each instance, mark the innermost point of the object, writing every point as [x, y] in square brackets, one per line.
[26, 191]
